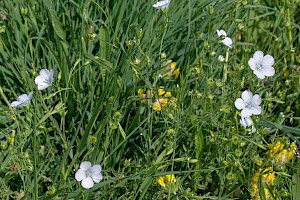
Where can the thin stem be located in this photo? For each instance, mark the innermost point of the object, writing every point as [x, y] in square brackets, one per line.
[35, 193]
[289, 30]
[225, 71]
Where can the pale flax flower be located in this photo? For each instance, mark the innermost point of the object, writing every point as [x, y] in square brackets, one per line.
[262, 65]
[88, 174]
[22, 100]
[162, 4]
[45, 79]
[247, 122]
[224, 39]
[249, 104]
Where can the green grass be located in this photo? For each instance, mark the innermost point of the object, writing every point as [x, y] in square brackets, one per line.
[93, 110]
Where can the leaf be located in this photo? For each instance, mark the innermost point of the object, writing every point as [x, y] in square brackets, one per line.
[296, 187]
[283, 128]
[57, 26]
[100, 61]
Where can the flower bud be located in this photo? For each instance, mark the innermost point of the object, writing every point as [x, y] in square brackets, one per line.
[24, 11]
[137, 61]
[3, 144]
[238, 153]
[171, 132]
[139, 34]
[211, 10]
[92, 139]
[213, 53]
[230, 176]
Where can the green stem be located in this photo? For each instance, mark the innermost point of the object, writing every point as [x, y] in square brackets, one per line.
[225, 71]
[289, 30]
[35, 193]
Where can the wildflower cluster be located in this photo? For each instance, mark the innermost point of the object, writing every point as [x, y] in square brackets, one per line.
[280, 154]
[163, 98]
[267, 177]
[169, 70]
[42, 81]
[168, 182]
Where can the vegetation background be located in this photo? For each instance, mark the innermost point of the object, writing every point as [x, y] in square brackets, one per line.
[102, 53]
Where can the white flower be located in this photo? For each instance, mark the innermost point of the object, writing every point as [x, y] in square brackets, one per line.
[22, 100]
[221, 58]
[45, 79]
[162, 4]
[262, 65]
[249, 104]
[247, 122]
[227, 40]
[88, 174]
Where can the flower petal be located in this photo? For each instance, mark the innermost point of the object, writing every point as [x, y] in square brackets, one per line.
[239, 104]
[161, 4]
[15, 104]
[268, 71]
[246, 121]
[80, 175]
[246, 112]
[253, 130]
[247, 96]
[252, 63]
[221, 32]
[268, 61]
[96, 169]
[258, 56]
[42, 86]
[256, 100]
[87, 183]
[97, 177]
[39, 79]
[85, 165]
[22, 98]
[44, 73]
[256, 110]
[227, 41]
[259, 74]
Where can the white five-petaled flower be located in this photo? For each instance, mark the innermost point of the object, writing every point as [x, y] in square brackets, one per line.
[162, 4]
[227, 40]
[247, 122]
[45, 79]
[249, 104]
[88, 174]
[22, 100]
[262, 65]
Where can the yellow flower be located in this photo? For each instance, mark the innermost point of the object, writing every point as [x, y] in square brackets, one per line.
[161, 92]
[268, 177]
[168, 94]
[156, 106]
[161, 181]
[170, 178]
[176, 72]
[292, 150]
[140, 92]
[274, 149]
[172, 65]
[163, 101]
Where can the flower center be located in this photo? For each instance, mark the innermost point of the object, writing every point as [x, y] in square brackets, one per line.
[46, 81]
[88, 173]
[248, 105]
[259, 66]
